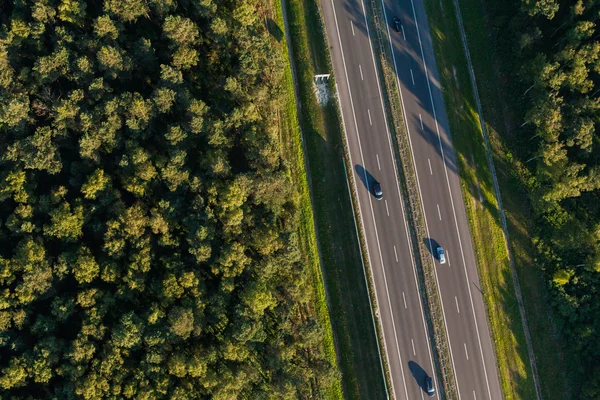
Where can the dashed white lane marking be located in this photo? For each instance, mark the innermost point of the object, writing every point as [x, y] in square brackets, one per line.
[403, 34]
[430, 170]
[419, 186]
[457, 309]
[474, 396]
[427, 228]
[487, 381]
[448, 258]
[466, 352]
[387, 209]
[369, 112]
[413, 346]
[361, 74]
[412, 77]
[378, 165]
[404, 298]
[337, 27]
[439, 213]
[421, 119]
[352, 26]
[396, 254]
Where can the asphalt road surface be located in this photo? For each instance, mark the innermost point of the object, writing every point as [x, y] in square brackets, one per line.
[405, 337]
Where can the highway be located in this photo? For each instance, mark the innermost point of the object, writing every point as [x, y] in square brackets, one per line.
[386, 232]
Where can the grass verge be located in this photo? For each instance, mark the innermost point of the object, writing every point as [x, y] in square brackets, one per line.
[293, 154]
[482, 208]
[347, 294]
[481, 205]
[555, 363]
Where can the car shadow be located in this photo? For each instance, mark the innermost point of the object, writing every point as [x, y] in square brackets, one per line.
[432, 246]
[366, 178]
[419, 374]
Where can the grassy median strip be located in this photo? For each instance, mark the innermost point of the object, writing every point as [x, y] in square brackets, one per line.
[294, 155]
[556, 368]
[350, 309]
[482, 207]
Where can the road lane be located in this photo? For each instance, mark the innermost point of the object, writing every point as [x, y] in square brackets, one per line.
[386, 232]
[440, 189]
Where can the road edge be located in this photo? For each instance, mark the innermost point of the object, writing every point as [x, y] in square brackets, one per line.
[492, 168]
[412, 204]
[353, 197]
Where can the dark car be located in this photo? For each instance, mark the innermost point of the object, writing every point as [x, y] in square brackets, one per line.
[397, 24]
[429, 386]
[377, 190]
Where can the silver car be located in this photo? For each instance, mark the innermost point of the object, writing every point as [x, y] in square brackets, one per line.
[441, 255]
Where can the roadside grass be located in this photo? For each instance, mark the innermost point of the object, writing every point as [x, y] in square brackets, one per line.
[557, 367]
[482, 208]
[291, 141]
[347, 295]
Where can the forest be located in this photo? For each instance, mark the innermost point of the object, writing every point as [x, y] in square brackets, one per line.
[554, 47]
[148, 224]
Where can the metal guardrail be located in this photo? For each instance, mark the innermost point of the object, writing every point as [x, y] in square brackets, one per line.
[413, 208]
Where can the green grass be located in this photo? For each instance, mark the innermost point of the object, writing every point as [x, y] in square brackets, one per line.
[349, 306]
[293, 153]
[482, 208]
[556, 367]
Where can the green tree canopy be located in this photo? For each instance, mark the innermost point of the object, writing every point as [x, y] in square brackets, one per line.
[147, 224]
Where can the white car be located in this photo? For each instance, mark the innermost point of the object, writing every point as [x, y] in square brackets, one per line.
[441, 255]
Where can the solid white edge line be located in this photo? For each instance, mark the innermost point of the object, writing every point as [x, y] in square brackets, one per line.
[423, 208]
[410, 249]
[430, 248]
[361, 254]
[370, 203]
[452, 202]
